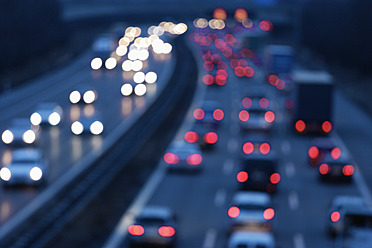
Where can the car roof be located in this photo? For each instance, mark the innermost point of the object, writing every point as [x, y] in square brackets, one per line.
[181, 145]
[21, 122]
[31, 154]
[250, 197]
[252, 237]
[343, 159]
[271, 156]
[348, 200]
[323, 142]
[162, 212]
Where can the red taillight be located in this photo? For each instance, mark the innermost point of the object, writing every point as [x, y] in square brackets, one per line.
[136, 230]
[166, 231]
[194, 159]
[275, 178]
[324, 169]
[233, 212]
[300, 126]
[336, 153]
[248, 71]
[244, 115]
[222, 72]
[191, 137]
[247, 102]
[198, 114]
[265, 148]
[335, 216]
[221, 80]
[208, 79]
[210, 138]
[269, 116]
[208, 66]
[171, 158]
[348, 170]
[242, 176]
[313, 152]
[272, 79]
[266, 25]
[248, 148]
[264, 103]
[239, 71]
[234, 63]
[326, 126]
[218, 114]
[269, 213]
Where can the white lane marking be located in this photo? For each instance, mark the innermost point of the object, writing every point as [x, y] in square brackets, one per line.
[298, 240]
[220, 197]
[210, 238]
[232, 146]
[290, 169]
[228, 166]
[293, 201]
[286, 147]
[234, 129]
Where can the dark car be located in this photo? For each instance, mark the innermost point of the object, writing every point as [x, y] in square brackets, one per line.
[320, 147]
[205, 137]
[209, 114]
[339, 169]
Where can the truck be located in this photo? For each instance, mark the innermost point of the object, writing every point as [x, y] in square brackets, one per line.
[313, 102]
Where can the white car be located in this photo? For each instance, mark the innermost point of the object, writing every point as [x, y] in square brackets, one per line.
[83, 94]
[27, 167]
[21, 132]
[248, 239]
[181, 155]
[88, 125]
[47, 114]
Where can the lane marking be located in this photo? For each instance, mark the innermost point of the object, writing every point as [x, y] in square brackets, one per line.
[232, 145]
[290, 169]
[293, 201]
[220, 197]
[210, 238]
[286, 147]
[228, 166]
[298, 240]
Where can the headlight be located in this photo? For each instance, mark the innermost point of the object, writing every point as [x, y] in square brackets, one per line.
[29, 136]
[77, 128]
[151, 77]
[96, 128]
[35, 119]
[89, 96]
[126, 89]
[36, 174]
[75, 96]
[96, 63]
[140, 89]
[54, 119]
[110, 63]
[5, 174]
[7, 137]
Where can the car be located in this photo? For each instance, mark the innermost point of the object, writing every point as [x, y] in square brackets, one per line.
[256, 119]
[154, 226]
[91, 124]
[319, 147]
[183, 156]
[248, 239]
[339, 205]
[256, 144]
[209, 114]
[27, 167]
[20, 133]
[251, 210]
[339, 169]
[205, 137]
[83, 93]
[131, 88]
[259, 172]
[47, 114]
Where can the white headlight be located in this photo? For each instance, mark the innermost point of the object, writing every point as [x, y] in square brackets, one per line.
[7, 137]
[143, 55]
[127, 65]
[139, 77]
[75, 96]
[140, 89]
[137, 65]
[5, 174]
[36, 174]
[110, 63]
[121, 50]
[35, 119]
[54, 119]
[126, 89]
[89, 96]
[151, 77]
[96, 63]
[96, 128]
[77, 128]
[29, 136]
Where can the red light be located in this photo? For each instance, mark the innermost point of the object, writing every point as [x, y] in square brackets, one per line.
[210, 138]
[166, 231]
[300, 126]
[221, 79]
[198, 114]
[227, 52]
[244, 115]
[194, 159]
[219, 13]
[220, 44]
[264, 103]
[269, 116]
[233, 212]
[171, 158]
[222, 72]
[191, 137]
[247, 102]
[208, 79]
[208, 66]
[207, 57]
[239, 71]
[335, 216]
[272, 79]
[336, 153]
[242, 176]
[230, 39]
[234, 63]
[218, 114]
[248, 71]
[348, 170]
[313, 152]
[136, 230]
[327, 126]
[280, 84]
[222, 66]
[216, 58]
[265, 148]
[269, 214]
[266, 25]
[243, 62]
[275, 178]
[324, 169]
[248, 148]
[288, 103]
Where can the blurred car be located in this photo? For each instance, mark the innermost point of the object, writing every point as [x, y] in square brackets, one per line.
[205, 137]
[251, 211]
[88, 125]
[256, 119]
[83, 94]
[319, 147]
[339, 169]
[339, 205]
[21, 132]
[181, 155]
[102, 48]
[155, 225]
[47, 114]
[259, 172]
[248, 239]
[209, 114]
[131, 88]
[256, 144]
[27, 167]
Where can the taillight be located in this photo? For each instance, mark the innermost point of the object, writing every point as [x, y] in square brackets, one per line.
[248, 71]
[326, 126]
[265, 148]
[171, 158]
[244, 115]
[210, 138]
[269, 213]
[218, 114]
[198, 114]
[248, 148]
[269, 116]
[300, 126]
[336, 153]
[247, 102]
[242, 176]
[324, 169]
[264, 103]
[208, 79]
[239, 71]
[191, 137]
[233, 212]
[221, 80]
[348, 170]
[136, 230]
[272, 79]
[194, 159]
[313, 152]
[166, 231]
[335, 216]
[275, 178]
